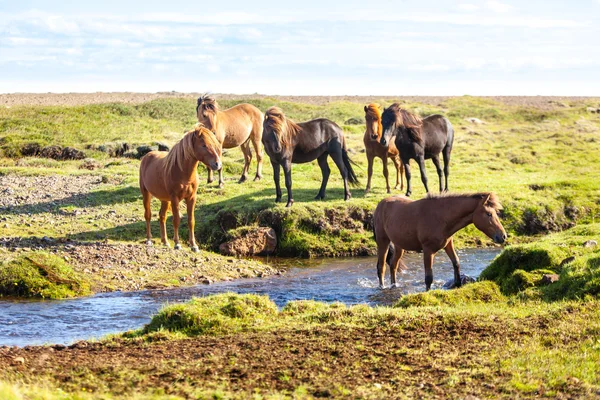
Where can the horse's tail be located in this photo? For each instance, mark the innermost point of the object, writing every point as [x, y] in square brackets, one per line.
[352, 178]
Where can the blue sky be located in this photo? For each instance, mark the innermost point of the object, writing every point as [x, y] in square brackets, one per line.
[303, 47]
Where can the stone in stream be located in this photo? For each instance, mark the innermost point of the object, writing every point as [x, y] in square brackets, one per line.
[257, 241]
[464, 279]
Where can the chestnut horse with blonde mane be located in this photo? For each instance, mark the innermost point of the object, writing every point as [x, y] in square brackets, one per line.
[418, 139]
[287, 142]
[375, 149]
[428, 225]
[240, 125]
[172, 177]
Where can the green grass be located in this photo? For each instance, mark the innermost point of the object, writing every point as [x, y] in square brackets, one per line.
[479, 292]
[539, 162]
[40, 274]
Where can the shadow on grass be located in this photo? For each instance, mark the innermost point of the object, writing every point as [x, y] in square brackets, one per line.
[92, 199]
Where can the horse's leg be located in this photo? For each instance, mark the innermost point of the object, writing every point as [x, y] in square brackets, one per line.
[147, 214]
[191, 205]
[399, 173]
[436, 162]
[428, 260]
[446, 155]
[259, 157]
[287, 172]
[455, 262]
[383, 244]
[396, 260]
[325, 171]
[369, 171]
[407, 173]
[210, 176]
[386, 173]
[162, 218]
[221, 182]
[336, 155]
[247, 160]
[276, 177]
[176, 219]
[421, 161]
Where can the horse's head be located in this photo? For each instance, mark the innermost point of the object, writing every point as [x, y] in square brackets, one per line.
[390, 121]
[206, 148]
[486, 218]
[206, 111]
[274, 130]
[373, 121]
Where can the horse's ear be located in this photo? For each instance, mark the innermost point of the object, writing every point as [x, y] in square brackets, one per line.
[486, 198]
[366, 108]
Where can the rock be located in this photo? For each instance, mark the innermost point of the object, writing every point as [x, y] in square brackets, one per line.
[257, 241]
[593, 110]
[354, 121]
[475, 121]
[69, 153]
[464, 279]
[567, 261]
[54, 152]
[59, 347]
[143, 150]
[91, 164]
[549, 278]
[590, 244]
[19, 360]
[31, 149]
[162, 146]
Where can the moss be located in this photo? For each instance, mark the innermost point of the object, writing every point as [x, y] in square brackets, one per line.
[40, 274]
[222, 313]
[578, 279]
[521, 280]
[479, 292]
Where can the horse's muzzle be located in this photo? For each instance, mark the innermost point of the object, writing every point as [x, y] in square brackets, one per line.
[373, 137]
[383, 141]
[216, 166]
[500, 238]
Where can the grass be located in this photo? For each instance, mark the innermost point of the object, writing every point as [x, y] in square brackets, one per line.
[538, 161]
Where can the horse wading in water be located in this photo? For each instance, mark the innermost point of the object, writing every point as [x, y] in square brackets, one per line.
[240, 125]
[375, 149]
[287, 142]
[172, 177]
[419, 140]
[428, 225]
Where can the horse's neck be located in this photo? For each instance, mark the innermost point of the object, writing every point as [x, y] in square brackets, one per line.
[463, 213]
[185, 173]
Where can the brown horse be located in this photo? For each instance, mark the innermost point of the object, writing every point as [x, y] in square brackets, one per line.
[375, 149]
[420, 140]
[428, 225]
[239, 125]
[172, 177]
[287, 142]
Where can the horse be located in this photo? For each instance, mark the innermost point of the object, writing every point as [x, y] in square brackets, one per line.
[428, 225]
[287, 142]
[240, 125]
[419, 140]
[172, 176]
[374, 149]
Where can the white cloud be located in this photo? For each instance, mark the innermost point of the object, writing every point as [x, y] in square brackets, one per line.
[469, 7]
[498, 7]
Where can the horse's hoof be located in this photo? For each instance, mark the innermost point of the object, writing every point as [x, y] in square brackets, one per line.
[221, 185]
[367, 190]
[389, 191]
[177, 246]
[257, 178]
[242, 179]
[408, 194]
[167, 245]
[148, 242]
[278, 200]
[195, 249]
[319, 197]
[289, 203]
[347, 197]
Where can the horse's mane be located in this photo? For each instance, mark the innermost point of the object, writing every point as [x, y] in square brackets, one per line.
[373, 111]
[184, 149]
[284, 127]
[492, 201]
[411, 122]
[209, 102]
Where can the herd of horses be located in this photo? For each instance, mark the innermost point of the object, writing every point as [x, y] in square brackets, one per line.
[425, 225]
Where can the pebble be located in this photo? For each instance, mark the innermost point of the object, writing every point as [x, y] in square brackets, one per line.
[19, 360]
[590, 243]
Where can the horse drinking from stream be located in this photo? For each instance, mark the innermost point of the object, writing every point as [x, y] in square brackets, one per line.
[287, 142]
[240, 125]
[428, 225]
[172, 177]
[375, 149]
[419, 140]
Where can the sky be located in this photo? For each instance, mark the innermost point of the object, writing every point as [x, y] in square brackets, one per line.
[425, 47]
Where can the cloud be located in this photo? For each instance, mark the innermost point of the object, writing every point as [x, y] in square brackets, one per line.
[469, 7]
[498, 7]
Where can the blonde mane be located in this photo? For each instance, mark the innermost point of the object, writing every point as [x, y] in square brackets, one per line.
[373, 111]
[285, 128]
[184, 149]
[492, 201]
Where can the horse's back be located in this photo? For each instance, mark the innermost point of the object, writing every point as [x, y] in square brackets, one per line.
[151, 172]
[238, 123]
[437, 133]
[397, 219]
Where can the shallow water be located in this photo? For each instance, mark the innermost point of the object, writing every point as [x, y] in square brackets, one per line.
[348, 280]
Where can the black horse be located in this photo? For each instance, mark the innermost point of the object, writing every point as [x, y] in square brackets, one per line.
[287, 142]
[419, 139]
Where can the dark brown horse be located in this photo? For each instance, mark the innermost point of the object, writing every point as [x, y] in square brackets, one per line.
[172, 177]
[240, 125]
[428, 225]
[374, 149]
[287, 142]
[419, 140]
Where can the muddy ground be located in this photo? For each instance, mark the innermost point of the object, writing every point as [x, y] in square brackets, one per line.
[71, 99]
